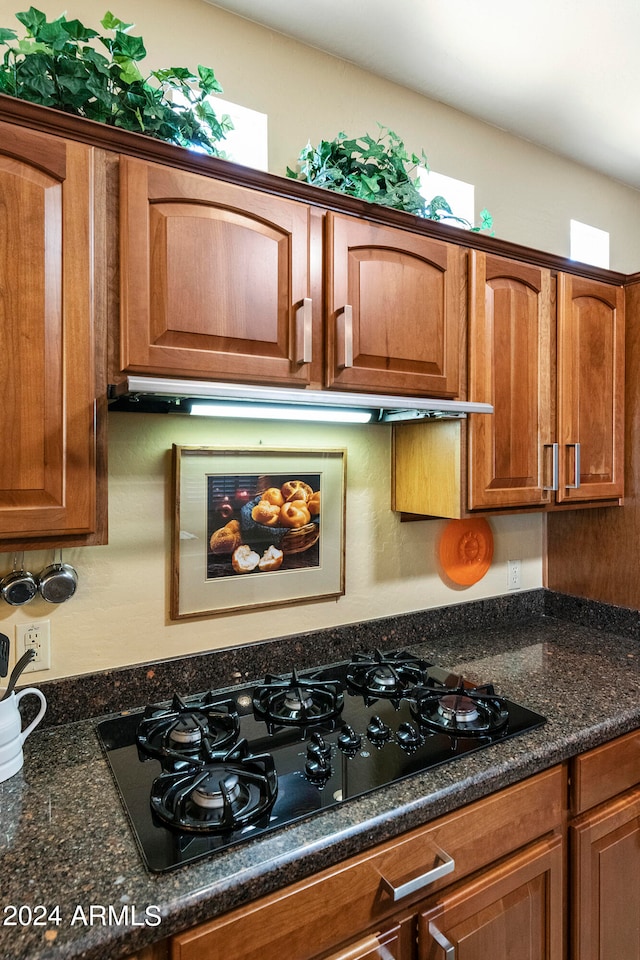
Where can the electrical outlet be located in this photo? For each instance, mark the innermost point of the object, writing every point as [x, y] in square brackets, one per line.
[513, 574]
[37, 635]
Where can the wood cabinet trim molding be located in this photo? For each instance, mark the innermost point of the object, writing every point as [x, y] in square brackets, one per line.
[110, 138]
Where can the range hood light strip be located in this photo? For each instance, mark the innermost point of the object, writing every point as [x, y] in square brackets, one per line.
[257, 411]
[381, 408]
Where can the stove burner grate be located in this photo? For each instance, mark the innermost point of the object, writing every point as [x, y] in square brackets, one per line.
[381, 676]
[225, 795]
[188, 731]
[297, 702]
[459, 711]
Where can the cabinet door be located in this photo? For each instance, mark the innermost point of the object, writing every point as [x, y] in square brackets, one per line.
[48, 467]
[511, 453]
[605, 857]
[394, 302]
[590, 389]
[513, 911]
[214, 279]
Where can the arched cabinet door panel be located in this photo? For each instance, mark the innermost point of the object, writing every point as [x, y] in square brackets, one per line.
[394, 306]
[590, 389]
[47, 389]
[511, 453]
[215, 280]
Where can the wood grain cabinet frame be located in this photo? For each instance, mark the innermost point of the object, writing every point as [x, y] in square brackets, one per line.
[604, 844]
[48, 472]
[395, 309]
[511, 453]
[547, 351]
[215, 280]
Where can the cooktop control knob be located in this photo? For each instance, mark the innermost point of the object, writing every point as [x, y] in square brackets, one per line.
[317, 768]
[348, 740]
[317, 747]
[378, 731]
[408, 736]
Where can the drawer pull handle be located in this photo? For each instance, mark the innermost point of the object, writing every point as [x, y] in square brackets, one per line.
[304, 331]
[576, 467]
[345, 336]
[411, 886]
[555, 463]
[441, 940]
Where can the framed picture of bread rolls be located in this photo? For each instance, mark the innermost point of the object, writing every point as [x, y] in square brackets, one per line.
[255, 528]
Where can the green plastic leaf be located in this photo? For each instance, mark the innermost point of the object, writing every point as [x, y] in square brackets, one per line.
[6, 35]
[109, 22]
[132, 48]
[208, 80]
[32, 19]
[77, 30]
[129, 72]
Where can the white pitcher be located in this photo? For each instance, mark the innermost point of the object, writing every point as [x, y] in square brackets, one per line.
[12, 736]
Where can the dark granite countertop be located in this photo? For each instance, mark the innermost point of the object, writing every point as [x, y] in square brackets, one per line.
[65, 842]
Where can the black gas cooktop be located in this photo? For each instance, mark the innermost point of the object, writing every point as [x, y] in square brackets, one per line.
[201, 773]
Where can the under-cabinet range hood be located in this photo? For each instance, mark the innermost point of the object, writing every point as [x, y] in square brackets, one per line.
[209, 398]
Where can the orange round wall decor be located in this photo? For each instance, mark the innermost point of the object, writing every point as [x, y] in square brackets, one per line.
[466, 550]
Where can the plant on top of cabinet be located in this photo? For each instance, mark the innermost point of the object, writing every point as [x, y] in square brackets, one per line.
[376, 170]
[57, 65]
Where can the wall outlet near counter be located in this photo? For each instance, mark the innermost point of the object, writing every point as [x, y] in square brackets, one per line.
[36, 634]
[513, 574]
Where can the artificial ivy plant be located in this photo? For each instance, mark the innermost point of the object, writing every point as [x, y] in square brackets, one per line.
[59, 64]
[379, 170]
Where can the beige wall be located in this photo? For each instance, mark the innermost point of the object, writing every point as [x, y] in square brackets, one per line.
[119, 615]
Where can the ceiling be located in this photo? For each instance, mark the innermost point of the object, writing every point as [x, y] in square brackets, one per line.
[562, 73]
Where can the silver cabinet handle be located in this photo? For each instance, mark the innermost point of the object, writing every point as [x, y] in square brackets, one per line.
[304, 331]
[576, 467]
[411, 886]
[555, 465]
[441, 940]
[345, 336]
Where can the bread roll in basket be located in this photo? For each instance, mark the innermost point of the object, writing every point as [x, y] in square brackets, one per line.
[288, 539]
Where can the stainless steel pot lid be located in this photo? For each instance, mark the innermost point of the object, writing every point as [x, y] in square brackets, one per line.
[58, 582]
[19, 586]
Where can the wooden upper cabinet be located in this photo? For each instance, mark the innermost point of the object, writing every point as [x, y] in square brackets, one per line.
[590, 389]
[48, 400]
[215, 280]
[394, 305]
[510, 454]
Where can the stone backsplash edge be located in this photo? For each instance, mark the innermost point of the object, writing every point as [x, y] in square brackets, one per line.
[82, 697]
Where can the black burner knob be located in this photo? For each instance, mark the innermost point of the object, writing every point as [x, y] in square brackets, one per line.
[349, 740]
[317, 768]
[317, 747]
[408, 736]
[378, 731]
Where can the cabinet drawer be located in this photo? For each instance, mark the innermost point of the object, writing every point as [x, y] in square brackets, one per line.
[339, 904]
[604, 772]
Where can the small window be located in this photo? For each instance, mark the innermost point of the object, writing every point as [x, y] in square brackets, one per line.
[459, 195]
[247, 143]
[589, 244]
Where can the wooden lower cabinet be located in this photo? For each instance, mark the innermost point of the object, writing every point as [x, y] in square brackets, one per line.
[604, 842]
[606, 865]
[491, 854]
[512, 911]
